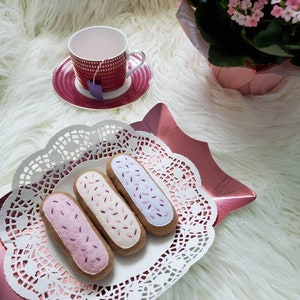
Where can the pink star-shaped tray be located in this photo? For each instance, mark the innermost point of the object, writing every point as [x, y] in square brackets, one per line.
[228, 193]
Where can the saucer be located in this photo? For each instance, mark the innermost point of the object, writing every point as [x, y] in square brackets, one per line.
[64, 83]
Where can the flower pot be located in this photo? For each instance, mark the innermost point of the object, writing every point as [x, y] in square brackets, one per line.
[246, 80]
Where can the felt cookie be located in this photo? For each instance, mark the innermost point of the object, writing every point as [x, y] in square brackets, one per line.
[109, 212]
[73, 232]
[143, 195]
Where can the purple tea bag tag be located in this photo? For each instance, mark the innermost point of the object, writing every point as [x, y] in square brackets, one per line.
[95, 90]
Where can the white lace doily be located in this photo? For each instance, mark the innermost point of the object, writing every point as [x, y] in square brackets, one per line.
[34, 266]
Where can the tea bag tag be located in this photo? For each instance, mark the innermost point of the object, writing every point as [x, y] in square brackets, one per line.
[95, 89]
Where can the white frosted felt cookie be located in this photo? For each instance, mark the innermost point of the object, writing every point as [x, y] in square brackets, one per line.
[142, 194]
[73, 232]
[109, 212]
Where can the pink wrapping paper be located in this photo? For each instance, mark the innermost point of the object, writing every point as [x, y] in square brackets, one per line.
[246, 80]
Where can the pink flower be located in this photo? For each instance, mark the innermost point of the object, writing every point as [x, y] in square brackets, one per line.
[230, 11]
[252, 22]
[246, 12]
[258, 14]
[294, 4]
[276, 11]
[249, 13]
[245, 4]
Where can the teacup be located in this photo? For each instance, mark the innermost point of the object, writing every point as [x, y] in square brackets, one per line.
[100, 60]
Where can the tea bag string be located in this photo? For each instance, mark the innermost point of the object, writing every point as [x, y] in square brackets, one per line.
[98, 69]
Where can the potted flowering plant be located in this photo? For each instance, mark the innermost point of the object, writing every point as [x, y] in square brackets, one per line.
[255, 34]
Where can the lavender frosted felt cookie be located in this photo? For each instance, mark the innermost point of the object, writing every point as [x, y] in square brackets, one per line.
[74, 233]
[143, 195]
[109, 212]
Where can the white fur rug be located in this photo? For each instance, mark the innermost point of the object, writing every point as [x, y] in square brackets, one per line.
[255, 139]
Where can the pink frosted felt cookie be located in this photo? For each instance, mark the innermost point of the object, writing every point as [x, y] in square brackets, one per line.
[109, 212]
[70, 228]
[142, 194]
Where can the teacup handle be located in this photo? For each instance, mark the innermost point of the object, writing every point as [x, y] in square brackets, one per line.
[142, 58]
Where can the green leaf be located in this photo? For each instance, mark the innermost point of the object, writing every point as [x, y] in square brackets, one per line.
[215, 26]
[210, 22]
[271, 35]
[275, 50]
[223, 4]
[236, 57]
[292, 47]
[219, 57]
[269, 40]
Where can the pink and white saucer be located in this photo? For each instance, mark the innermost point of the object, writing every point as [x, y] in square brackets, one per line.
[64, 83]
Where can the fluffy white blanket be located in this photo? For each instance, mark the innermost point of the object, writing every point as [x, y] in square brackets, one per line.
[255, 139]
